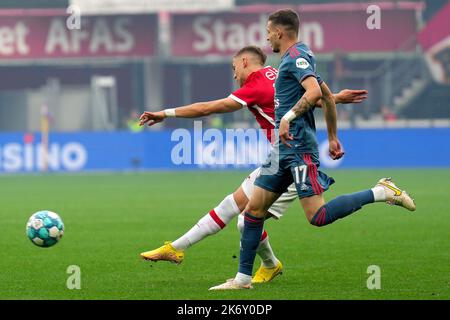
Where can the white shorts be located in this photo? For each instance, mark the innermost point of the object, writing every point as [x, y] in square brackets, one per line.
[278, 207]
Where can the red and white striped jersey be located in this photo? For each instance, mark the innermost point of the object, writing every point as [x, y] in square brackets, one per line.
[257, 94]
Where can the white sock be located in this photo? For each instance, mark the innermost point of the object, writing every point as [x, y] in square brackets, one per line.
[211, 223]
[264, 250]
[243, 279]
[227, 209]
[379, 194]
[204, 227]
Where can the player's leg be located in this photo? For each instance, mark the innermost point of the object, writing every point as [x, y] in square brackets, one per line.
[254, 217]
[270, 266]
[320, 213]
[211, 223]
[268, 188]
[220, 216]
[214, 221]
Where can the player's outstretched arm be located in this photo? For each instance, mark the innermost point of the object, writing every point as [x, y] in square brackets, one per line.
[350, 96]
[195, 110]
[347, 96]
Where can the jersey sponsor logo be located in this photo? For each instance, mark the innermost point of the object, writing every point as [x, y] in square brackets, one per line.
[302, 63]
[271, 74]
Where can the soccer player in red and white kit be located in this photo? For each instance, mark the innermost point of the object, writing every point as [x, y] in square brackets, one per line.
[256, 92]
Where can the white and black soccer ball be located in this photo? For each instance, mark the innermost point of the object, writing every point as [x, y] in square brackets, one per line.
[45, 228]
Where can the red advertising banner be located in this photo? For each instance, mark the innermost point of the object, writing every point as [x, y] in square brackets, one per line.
[325, 31]
[49, 36]
[435, 41]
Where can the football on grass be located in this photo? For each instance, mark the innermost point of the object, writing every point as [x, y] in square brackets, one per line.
[45, 228]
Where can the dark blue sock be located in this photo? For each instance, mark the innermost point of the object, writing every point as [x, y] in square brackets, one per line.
[250, 238]
[341, 207]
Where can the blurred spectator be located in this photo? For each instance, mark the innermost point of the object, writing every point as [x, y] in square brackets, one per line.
[388, 114]
[216, 122]
[132, 122]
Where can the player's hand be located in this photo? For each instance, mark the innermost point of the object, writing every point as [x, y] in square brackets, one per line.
[151, 118]
[335, 149]
[284, 134]
[351, 96]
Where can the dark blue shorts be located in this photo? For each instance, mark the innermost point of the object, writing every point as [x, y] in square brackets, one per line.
[301, 169]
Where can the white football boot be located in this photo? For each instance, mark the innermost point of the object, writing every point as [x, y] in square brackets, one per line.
[231, 284]
[396, 196]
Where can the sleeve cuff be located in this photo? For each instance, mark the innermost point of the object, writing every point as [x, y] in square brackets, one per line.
[232, 96]
[307, 76]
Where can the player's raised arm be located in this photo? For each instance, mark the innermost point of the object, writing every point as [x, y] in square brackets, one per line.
[308, 100]
[330, 114]
[195, 110]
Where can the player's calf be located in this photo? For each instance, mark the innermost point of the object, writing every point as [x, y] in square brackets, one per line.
[341, 207]
[384, 191]
[209, 224]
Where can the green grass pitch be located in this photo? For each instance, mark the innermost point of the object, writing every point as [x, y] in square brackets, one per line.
[111, 218]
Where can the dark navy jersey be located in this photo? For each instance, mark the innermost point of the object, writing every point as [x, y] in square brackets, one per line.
[296, 65]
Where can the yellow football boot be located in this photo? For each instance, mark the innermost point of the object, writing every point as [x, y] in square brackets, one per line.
[165, 253]
[267, 274]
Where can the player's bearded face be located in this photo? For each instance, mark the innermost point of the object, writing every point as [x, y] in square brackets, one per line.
[272, 37]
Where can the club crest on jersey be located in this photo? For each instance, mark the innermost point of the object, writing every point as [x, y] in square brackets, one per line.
[302, 63]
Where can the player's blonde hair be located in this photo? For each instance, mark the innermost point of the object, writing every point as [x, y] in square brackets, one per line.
[254, 50]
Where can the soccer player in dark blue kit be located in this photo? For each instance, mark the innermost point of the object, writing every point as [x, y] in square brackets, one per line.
[295, 156]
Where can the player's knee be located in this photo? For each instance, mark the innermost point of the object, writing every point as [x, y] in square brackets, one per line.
[317, 218]
[255, 211]
[311, 209]
[310, 216]
[240, 199]
[314, 222]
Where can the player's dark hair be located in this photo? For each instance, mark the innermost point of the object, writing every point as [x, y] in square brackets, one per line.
[256, 51]
[287, 18]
